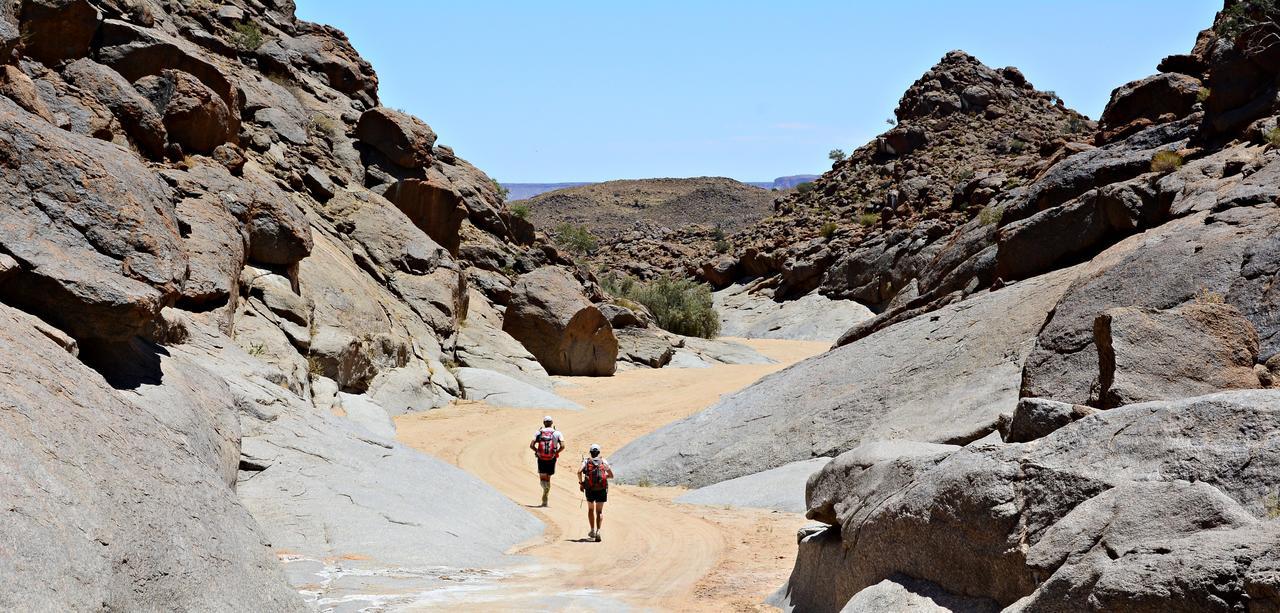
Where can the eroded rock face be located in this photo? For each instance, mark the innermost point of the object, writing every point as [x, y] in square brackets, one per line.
[92, 229]
[945, 378]
[549, 315]
[99, 540]
[405, 140]
[55, 30]
[1097, 497]
[194, 115]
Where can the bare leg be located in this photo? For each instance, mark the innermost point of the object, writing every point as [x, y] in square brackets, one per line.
[599, 516]
[546, 486]
[591, 516]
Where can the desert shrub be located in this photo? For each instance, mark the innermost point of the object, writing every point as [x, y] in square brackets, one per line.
[1075, 125]
[520, 211]
[718, 233]
[1207, 296]
[836, 155]
[1017, 145]
[677, 305]
[1273, 137]
[577, 239]
[868, 219]
[503, 192]
[891, 121]
[1243, 15]
[323, 125]
[722, 246]
[1165, 161]
[247, 37]
[805, 187]
[1203, 94]
[828, 230]
[990, 215]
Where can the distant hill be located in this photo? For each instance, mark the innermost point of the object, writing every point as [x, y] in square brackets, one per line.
[782, 183]
[521, 191]
[615, 206]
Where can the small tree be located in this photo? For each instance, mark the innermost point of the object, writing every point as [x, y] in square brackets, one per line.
[247, 37]
[891, 121]
[503, 192]
[577, 239]
[836, 155]
[520, 211]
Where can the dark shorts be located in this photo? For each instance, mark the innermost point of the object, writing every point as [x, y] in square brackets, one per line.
[598, 495]
[547, 467]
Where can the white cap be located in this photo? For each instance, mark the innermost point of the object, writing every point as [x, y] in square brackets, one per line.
[595, 447]
[546, 418]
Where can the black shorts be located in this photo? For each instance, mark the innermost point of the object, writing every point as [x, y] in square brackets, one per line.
[598, 495]
[547, 467]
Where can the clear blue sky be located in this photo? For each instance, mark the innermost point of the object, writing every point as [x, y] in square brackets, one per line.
[543, 91]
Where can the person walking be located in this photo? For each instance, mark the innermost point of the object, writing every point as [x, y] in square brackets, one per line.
[593, 480]
[547, 445]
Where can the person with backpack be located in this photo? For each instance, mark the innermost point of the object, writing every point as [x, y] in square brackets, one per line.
[593, 480]
[547, 445]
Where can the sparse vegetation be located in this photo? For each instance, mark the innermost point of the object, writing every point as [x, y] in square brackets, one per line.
[805, 187]
[891, 121]
[990, 215]
[722, 246]
[247, 37]
[1243, 15]
[314, 366]
[868, 219]
[1207, 296]
[1203, 95]
[1271, 504]
[1165, 161]
[836, 155]
[1076, 125]
[1273, 137]
[519, 211]
[677, 305]
[1017, 146]
[577, 239]
[257, 350]
[503, 192]
[323, 125]
[644, 483]
[965, 175]
[828, 230]
[718, 233]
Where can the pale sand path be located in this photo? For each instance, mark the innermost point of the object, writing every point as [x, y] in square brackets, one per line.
[655, 554]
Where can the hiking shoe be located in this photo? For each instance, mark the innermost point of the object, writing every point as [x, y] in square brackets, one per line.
[591, 535]
[597, 536]
[544, 499]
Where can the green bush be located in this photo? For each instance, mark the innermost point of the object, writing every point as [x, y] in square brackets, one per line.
[520, 211]
[577, 239]
[1165, 161]
[868, 219]
[502, 191]
[678, 305]
[1017, 145]
[990, 215]
[828, 230]
[836, 155]
[247, 37]
[1243, 15]
[1202, 95]
[805, 187]
[722, 246]
[1273, 137]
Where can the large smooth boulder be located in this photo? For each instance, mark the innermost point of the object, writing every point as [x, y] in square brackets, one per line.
[499, 390]
[1231, 256]
[748, 312]
[1161, 94]
[551, 317]
[56, 30]
[91, 227]
[943, 378]
[194, 115]
[432, 206]
[994, 520]
[111, 504]
[1196, 349]
[404, 139]
[137, 115]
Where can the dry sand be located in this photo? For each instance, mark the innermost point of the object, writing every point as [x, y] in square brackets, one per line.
[656, 553]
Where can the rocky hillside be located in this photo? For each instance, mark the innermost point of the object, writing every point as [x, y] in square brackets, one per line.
[963, 135]
[223, 268]
[644, 226]
[1064, 404]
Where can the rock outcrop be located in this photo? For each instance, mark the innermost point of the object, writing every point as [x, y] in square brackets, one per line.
[549, 314]
[223, 268]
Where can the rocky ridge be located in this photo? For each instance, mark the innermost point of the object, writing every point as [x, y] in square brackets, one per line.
[1087, 367]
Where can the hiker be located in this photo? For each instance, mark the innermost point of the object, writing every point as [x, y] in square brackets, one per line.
[547, 445]
[593, 480]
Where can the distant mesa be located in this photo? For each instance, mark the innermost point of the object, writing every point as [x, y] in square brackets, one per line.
[524, 191]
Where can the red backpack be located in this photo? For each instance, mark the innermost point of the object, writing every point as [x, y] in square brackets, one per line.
[545, 444]
[595, 475]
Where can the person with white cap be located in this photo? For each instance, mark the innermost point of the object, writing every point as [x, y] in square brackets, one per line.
[547, 445]
[593, 480]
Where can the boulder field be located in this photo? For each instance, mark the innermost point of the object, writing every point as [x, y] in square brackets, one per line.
[1063, 404]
